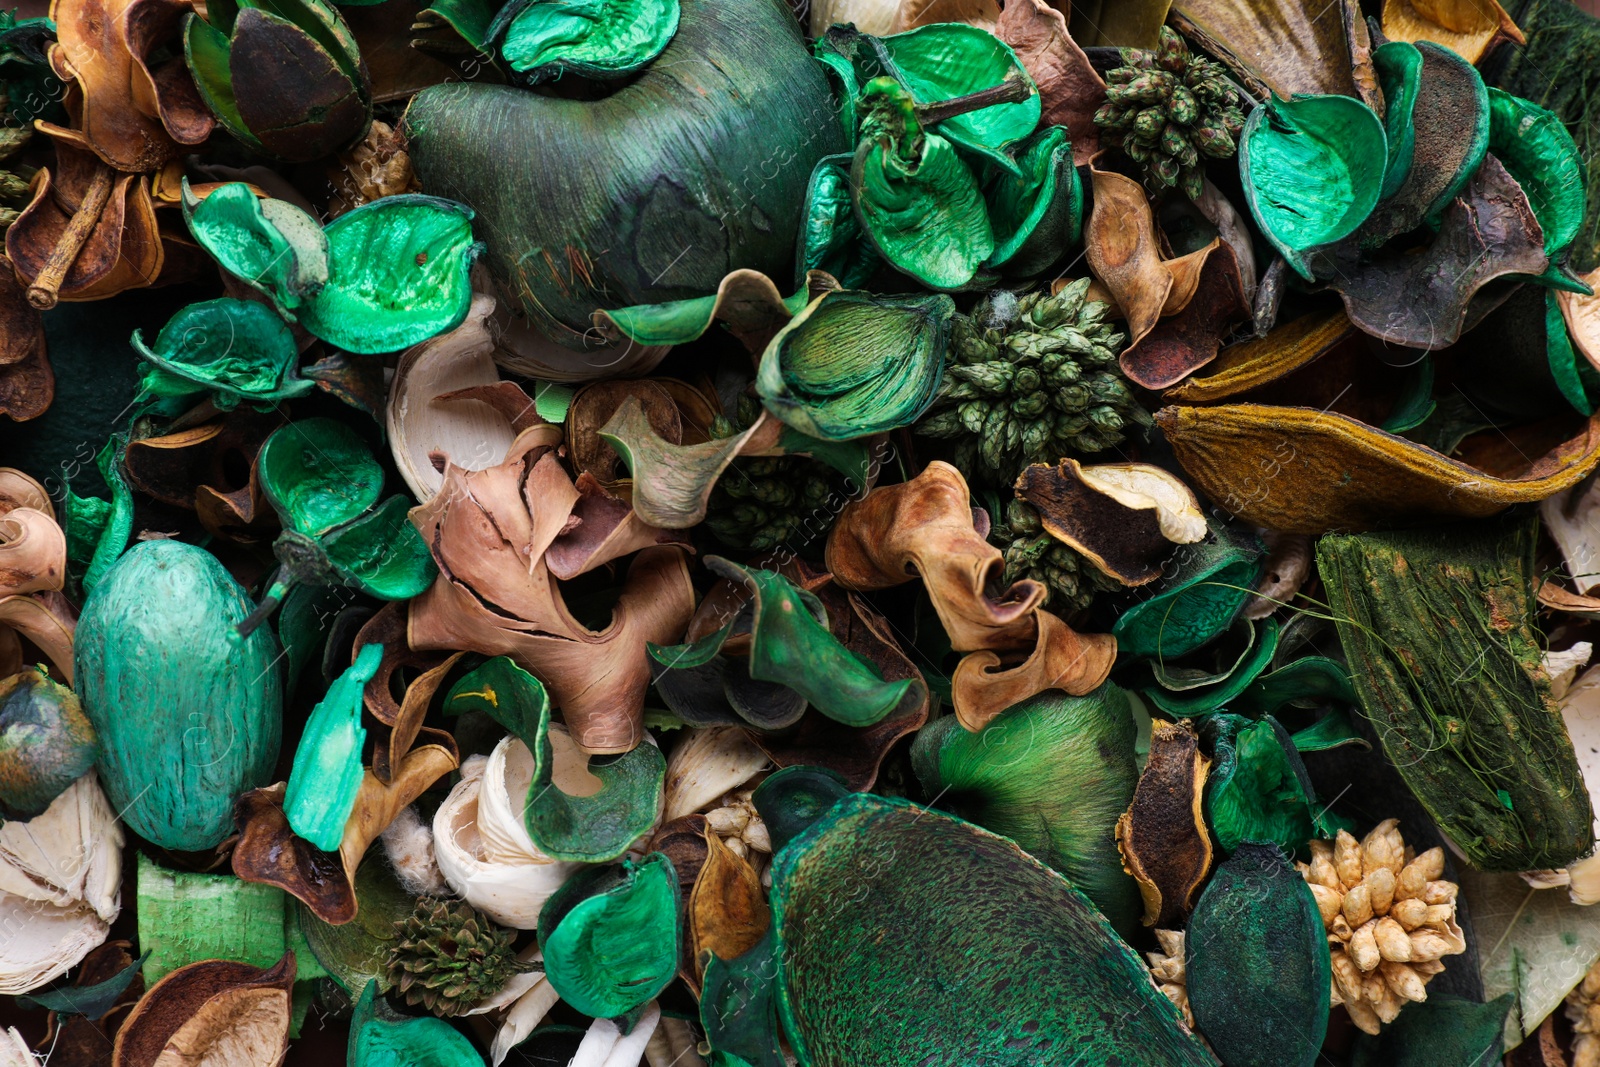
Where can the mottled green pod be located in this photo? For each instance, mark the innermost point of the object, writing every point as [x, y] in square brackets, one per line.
[46, 743]
[189, 714]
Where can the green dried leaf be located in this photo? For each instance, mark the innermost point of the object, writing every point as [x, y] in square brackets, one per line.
[853, 364]
[357, 952]
[739, 1008]
[830, 234]
[282, 254]
[605, 39]
[1257, 964]
[236, 349]
[791, 799]
[1398, 65]
[318, 474]
[91, 1001]
[1053, 773]
[1443, 1029]
[610, 935]
[1205, 690]
[1195, 600]
[1534, 146]
[327, 766]
[1258, 789]
[1038, 214]
[417, 1042]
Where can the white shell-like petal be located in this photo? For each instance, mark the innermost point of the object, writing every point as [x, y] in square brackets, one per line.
[710, 762]
[525, 1015]
[14, 1051]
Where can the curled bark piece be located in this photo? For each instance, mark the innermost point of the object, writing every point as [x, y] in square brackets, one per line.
[489, 531]
[211, 1012]
[1163, 835]
[1124, 517]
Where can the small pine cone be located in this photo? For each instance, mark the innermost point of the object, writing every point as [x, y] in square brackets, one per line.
[1389, 916]
[448, 956]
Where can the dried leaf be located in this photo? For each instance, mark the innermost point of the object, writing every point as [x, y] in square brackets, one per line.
[1070, 90]
[1286, 48]
[1468, 27]
[728, 911]
[1300, 470]
[1181, 344]
[747, 302]
[1163, 835]
[400, 722]
[215, 1012]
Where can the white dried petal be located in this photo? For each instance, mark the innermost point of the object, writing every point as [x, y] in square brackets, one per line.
[737, 847]
[727, 822]
[756, 835]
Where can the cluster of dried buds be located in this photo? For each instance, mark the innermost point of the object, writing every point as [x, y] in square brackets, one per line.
[1390, 920]
[734, 819]
[1583, 1012]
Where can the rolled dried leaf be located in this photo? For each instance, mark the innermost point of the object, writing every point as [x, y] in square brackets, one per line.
[1469, 28]
[1124, 518]
[1162, 835]
[215, 1011]
[1300, 470]
[419, 673]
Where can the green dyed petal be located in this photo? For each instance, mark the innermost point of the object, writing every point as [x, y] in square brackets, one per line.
[1256, 959]
[1053, 773]
[1205, 693]
[739, 1007]
[544, 39]
[98, 530]
[397, 274]
[1313, 168]
[950, 59]
[1316, 679]
[790, 644]
[470, 19]
[268, 244]
[1574, 375]
[1333, 730]
[916, 197]
[1399, 68]
[590, 829]
[1028, 973]
[853, 364]
[1258, 789]
[746, 300]
[207, 51]
[1537, 150]
[327, 765]
[236, 348]
[90, 1001]
[419, 1042]
[1036, 215]
[318, 474]
[830, 235]
[1196, 600]
[382, 553]
[791, 799]
[610, 936]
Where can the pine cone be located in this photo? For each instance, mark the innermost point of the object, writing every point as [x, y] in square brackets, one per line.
[449, 956]
[1169, 109]
[1031, 379]
[1032, 552]
[761, 503]
[1583, 1011]
[1167, 968]
[1389, 918]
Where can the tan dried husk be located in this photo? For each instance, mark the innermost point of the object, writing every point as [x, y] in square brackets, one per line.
[1390, 917]
[1168, 969]
[374, 167]
[707, 764]
[60, 886]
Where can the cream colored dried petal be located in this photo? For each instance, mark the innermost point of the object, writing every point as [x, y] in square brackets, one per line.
[1363, 1016]
[1427, 968]
[1410, 884]
[1431, 862]
[1390, 936]
[1374, 990]
[1429, 945]
[1166, 968]
[757, 836]
[1364, 948]
[1380, 888]
[1591, 984]
[1438, 914]
[1383, 848]
[1171, 942]
[1328, 902]
[737, 847]
[1403, 981]
[1586, 1052]
[1388, 1008]
[1322, 869]
[1439, 892]
[1409, 913]
[1347, 859]
[1346, 976]
[1357, 906]
[727, 822]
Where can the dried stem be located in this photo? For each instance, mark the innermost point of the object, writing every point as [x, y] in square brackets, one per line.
[1011, 91]
[43, 293]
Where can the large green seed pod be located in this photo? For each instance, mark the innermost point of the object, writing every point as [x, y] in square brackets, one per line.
[189, 715]
[694, 168]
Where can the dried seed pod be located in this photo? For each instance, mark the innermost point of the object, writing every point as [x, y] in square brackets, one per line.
[1363, 948]
[1380, 889]
[1357, 905]
[1347, 858]
[1392, 942]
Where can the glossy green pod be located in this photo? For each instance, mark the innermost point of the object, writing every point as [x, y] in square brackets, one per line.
[189, 714]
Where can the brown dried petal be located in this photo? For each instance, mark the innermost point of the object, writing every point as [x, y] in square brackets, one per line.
[1162, 836]
[1468, 27]
[728, 910]
[214, 1012]
[592, 407]
[1181, 344]
[1070, 91]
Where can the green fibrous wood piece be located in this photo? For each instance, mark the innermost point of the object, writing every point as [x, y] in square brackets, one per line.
[46, 743]
[1438, 625]
[1443, 1029]
[694, 168]
[1256, 958]
[853, 364]
[186, 916]
[790, 648]
[1038, 214]
[739, 1007]
[1449, 134]
[610, 935]
[415, 1042]
[270, 245]
[831, 239]
[1029, 973]
[605, 39]
[327, 765]
[587, 829]
[1197, 598]
[1053, 774]
[397, 274]
[189, 714]
[1258, 790]
[234, 349]
[1535, 148]
[1312, 168]
[357, 952]
[1190, 691]
[1398, 65]
[915, 196]
[950, 59]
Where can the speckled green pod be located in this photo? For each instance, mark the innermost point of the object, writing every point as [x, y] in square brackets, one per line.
[189, 715]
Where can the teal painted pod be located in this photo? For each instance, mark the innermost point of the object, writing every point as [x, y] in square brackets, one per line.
[189, 715]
